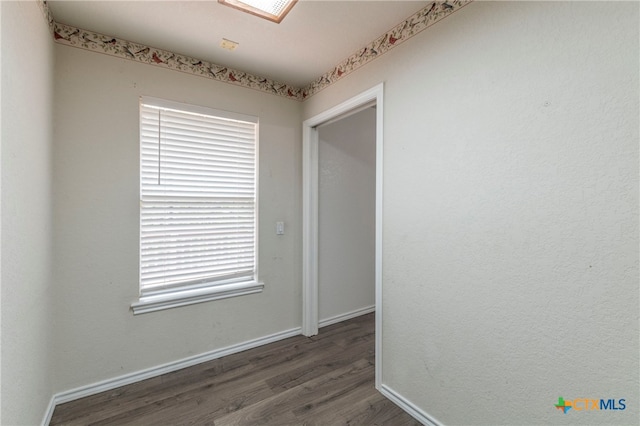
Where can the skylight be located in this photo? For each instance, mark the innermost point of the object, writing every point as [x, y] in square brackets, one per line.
[273, 10]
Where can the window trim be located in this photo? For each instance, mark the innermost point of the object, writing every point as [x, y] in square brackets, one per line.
[160, 299]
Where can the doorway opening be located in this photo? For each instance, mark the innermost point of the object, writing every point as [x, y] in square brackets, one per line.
[310, 155]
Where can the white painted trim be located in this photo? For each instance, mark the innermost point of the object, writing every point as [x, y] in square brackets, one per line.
[197, 109]
[183, 297]
[309, 230]
[148, 373]
[310, 213]
[408, 406]
[49, 413]
[1, 185]
[379, 241]
[346, 316]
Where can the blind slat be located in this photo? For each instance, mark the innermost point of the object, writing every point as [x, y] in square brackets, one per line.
[210, 262]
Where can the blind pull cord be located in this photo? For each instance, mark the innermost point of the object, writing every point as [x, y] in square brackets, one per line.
[159, 141]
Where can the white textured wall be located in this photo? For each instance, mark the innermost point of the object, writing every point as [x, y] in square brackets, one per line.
[346, 214]
[27, 91]
[96, 178]
[510, 270]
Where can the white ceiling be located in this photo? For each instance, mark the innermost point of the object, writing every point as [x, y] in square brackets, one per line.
[313, 38]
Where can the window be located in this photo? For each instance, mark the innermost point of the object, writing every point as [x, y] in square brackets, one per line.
[198, 205]
[272, 10]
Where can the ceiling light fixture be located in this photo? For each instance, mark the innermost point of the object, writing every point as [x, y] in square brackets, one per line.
[272, 10]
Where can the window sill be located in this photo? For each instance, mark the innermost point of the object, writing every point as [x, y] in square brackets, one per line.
[158, 302]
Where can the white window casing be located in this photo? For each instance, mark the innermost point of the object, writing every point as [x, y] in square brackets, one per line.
[198, 205]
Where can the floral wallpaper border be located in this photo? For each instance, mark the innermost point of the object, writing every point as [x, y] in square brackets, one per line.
[413, 25]
[47, 13]
[418, 22]
[71, 36]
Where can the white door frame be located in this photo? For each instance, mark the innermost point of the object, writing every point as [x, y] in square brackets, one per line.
[310, 213]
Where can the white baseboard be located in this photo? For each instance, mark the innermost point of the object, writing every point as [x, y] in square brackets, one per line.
[346, 316]
[49, 412]
[409, 407]
[148, 373]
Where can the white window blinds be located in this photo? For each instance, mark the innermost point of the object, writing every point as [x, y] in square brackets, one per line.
[198, 197]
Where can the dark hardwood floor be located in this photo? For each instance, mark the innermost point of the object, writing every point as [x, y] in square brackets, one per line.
[327, 379]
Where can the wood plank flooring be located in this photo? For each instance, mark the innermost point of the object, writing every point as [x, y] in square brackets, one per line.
[327, 379]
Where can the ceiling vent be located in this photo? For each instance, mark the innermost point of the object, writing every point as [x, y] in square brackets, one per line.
[228, 44]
